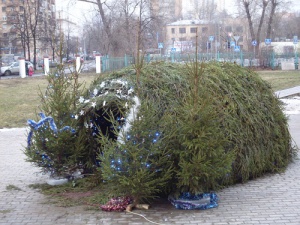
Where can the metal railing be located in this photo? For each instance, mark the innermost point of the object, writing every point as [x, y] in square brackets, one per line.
[245, 59]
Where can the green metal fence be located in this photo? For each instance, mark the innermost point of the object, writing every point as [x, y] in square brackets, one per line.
[246, 59]
[116, 63]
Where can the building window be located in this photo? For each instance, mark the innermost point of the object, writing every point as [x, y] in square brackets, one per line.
[182, 39]
[204, 29]
[4, 18]
[21, 8]
[173, 30]
[3, 9]
[182, 30]
[193, 30]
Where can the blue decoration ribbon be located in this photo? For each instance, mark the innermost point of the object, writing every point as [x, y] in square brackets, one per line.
[200, 201]
[36, 125]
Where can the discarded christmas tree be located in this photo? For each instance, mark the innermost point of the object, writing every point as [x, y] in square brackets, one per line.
[53, 143]
[202, 156]
[182, 132]
[138, 164]
[207, 127]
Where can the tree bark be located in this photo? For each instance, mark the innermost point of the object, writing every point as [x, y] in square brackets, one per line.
[265, 4]
[246, 4]
[274, 4]
[249, 18]
[105, 20]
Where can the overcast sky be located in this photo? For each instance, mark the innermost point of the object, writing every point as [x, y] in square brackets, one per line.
[294, 5]
[76, 9]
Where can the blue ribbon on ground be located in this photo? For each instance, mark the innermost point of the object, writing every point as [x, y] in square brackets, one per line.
[200, 201]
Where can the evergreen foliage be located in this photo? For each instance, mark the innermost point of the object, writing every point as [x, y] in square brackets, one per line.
[190, 128]
[221, 123]
[203, 159]
[253, 120]
[53, 145]
[139, 165]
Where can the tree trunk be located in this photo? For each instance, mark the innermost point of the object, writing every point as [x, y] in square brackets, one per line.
[274, 4]
[28, 50]
[34, 52]
[256, 37]
[106, 21]
[249, 18]
[265, 4]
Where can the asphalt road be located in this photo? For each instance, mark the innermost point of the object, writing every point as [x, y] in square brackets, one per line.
[87, 66]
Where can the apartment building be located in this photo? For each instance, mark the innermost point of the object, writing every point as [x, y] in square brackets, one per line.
[14, 23]
[170, 10]
[186, 9]
[181, 35]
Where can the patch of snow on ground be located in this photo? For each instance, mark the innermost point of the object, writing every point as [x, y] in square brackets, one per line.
[292, 105]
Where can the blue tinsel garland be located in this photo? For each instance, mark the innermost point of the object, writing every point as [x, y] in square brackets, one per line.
[36, 125]
[200, 201]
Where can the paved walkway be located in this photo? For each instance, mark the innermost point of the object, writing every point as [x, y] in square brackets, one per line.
[288, 92]
[273, 199]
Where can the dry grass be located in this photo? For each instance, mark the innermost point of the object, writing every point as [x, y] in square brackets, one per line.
[20, 101]
[86, 193]
[281, 80]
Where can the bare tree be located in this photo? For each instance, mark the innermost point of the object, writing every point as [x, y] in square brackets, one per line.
[258, 13]
[48, 35]
[286, 25]
[95, 36]
[118, 21]
[103, 9]
[251, 7]
[33, 10]
[19, 33]
[206, 10]
[275, 4]
[127, 11]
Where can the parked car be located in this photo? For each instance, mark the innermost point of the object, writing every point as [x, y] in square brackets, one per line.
[51, 63]
[90, 57]
[13, 68]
